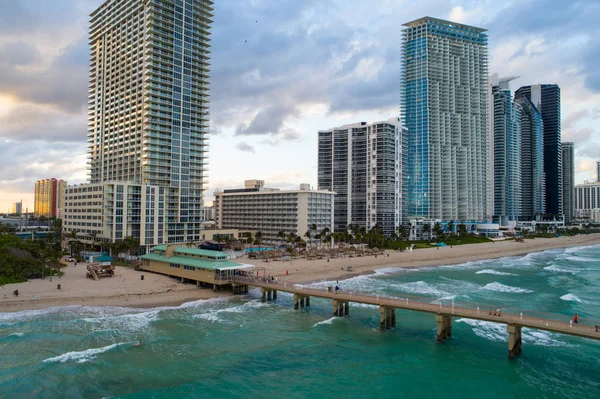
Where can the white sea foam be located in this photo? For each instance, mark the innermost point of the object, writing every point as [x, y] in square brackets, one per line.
[83, 356]
[496, 286]
[497, 332]
[570, 297]
[210, 316]
[328, 321]
[420, 287]
[554, 268]
[495, 272]
[581, 259]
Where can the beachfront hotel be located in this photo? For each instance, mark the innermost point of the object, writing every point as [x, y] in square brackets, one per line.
[270, 210]
[362, 164]
[444, 106]
[49, 197]
[568, 180]
[505, 127]
[546, 99]
[149, 113]
[587, 202]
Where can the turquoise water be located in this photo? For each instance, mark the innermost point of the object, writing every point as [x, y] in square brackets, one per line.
[257, 249]
[242, 347]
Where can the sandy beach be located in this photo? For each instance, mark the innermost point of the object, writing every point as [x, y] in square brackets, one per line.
[305, 271]
[127, 289]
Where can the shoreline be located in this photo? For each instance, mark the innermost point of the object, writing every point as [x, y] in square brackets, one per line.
[126, 289]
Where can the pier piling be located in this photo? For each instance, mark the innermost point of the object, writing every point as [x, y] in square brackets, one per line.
[444, 327]
[515, 343]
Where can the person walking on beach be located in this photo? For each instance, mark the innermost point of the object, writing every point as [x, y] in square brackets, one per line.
[576, 318]
[337, 289]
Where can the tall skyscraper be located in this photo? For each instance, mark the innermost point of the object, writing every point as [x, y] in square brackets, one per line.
[149, 110]
[597, 170]
[362, 163]
[49, 197]
[444, 104]
[546, 98]
[506, 128]
[568, 180]
[533, 179]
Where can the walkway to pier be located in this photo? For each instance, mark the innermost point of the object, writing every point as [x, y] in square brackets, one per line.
[444, 313]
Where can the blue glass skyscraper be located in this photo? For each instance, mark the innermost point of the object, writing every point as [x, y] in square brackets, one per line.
[444, 105]
[506, 129]
[533, 179]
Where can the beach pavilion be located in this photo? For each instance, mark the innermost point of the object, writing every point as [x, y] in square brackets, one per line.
[204, 267]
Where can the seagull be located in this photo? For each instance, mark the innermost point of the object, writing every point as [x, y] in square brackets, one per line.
[246, 41]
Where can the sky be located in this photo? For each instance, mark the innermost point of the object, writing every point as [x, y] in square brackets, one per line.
[282, 70]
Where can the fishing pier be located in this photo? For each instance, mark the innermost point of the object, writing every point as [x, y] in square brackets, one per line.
[443, 313]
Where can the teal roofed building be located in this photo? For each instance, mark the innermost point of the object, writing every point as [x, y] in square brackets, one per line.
[204, 267]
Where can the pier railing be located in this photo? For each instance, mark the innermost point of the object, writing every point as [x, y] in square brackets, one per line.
[473, 310]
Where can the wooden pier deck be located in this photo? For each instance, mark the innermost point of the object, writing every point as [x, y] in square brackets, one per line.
[444, 313]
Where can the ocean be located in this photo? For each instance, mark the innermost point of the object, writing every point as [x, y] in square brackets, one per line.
[241, 347]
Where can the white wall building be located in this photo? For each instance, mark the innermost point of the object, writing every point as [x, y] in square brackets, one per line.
[362, 163]
[587, 202]
[271, 210]
[149, 112]
[113, 211]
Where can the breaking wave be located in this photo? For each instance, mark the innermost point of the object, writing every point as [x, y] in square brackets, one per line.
[496, 286]
[84, 356]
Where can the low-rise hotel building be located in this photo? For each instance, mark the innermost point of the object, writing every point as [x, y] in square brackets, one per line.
[270, 210]
[587, 202]
[109, 212]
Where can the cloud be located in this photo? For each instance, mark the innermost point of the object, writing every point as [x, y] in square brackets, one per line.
[267, 121]
[245, 147]
[61, 85]
[23, 163]
[32, 122]
[18, 53]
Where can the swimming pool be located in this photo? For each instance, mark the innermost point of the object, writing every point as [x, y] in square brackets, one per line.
[258, 249]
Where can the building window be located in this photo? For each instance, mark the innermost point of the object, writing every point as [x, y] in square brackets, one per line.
[191, 268]
[175, 266]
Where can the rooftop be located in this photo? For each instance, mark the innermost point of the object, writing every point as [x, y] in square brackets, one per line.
[193, 262]
[193, 251]
[423, 20]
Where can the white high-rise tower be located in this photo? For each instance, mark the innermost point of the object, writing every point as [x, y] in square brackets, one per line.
[444, 105]
[149, 115]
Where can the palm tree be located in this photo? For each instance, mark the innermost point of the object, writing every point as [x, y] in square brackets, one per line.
[258, 238]
[462, 229]
[132, 245]
[249, 239]
[451, 227]
[401, 231]
[93, 235]
[427, 230]
[281, 235]
[308, 235]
